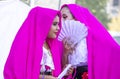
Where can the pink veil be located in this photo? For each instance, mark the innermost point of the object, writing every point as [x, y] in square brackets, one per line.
[25, 55]
[103, 51]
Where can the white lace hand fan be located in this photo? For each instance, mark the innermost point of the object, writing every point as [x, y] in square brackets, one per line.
[73, 30]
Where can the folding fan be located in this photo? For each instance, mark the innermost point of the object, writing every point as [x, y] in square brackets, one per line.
[73, 30]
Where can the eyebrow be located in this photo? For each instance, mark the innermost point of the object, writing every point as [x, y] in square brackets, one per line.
[56, 22]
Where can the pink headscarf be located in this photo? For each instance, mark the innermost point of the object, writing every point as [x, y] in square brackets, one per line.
[25, 55]
[103, 51]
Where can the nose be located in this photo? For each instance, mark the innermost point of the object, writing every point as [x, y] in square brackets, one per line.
[58, 27]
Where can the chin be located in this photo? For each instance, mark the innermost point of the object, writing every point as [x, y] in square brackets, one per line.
[53, 37]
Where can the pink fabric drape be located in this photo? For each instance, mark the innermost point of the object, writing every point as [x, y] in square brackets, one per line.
[25, 55]
[103, 51]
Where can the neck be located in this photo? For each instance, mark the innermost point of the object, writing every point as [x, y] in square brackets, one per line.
[46, 45]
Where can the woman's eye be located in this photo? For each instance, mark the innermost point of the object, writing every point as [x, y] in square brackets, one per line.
[55, 23]
[64, 16]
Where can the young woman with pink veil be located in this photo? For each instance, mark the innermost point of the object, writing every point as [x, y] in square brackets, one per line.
[34, 53]
[103, 52]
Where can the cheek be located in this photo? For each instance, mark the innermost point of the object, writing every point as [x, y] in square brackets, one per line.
[51, 33]
[70, 17]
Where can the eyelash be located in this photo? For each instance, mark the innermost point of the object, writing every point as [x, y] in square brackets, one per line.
[55, 24]
[65, 17]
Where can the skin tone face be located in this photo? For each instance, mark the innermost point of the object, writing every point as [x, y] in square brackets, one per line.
[52, 34]
[66, 14]
[54, 28]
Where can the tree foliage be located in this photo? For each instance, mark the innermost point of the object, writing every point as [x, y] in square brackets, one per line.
[97, 7]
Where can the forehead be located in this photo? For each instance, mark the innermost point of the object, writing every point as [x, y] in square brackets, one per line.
[65, 9]
[56, 19]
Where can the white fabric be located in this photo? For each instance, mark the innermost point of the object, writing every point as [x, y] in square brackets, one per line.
[79, 56]
[47, 59]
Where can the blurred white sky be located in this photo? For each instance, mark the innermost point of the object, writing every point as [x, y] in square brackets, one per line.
[12, 15]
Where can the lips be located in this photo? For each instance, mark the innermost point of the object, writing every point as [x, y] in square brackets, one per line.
[56, 33]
